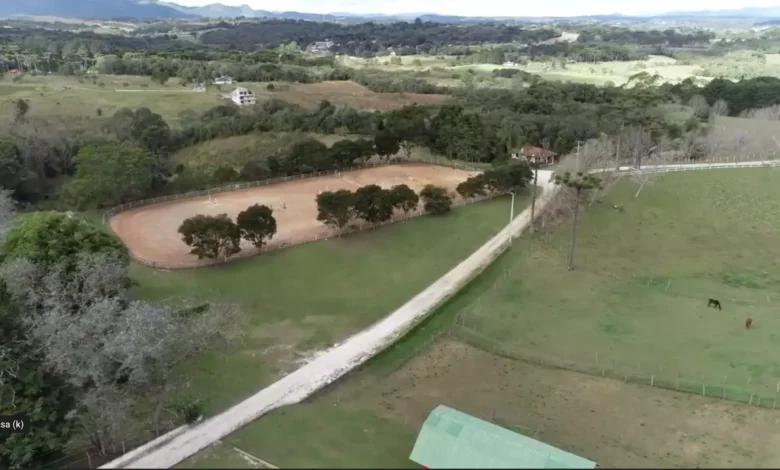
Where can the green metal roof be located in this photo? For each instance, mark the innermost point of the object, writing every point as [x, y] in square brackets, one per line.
[451, 439]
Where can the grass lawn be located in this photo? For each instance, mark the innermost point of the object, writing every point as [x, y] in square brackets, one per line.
[69, 98]
[639, 294]
[305, 298]
[372, 420]
[237, 150]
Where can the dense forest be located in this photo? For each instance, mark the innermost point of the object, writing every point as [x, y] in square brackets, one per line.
[367, 39]
[40, 156]
[669, 37]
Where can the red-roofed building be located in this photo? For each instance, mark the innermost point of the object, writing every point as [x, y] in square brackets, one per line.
[533, 154]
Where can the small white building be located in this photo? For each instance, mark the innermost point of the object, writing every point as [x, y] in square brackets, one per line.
[224, 80]
[243, 97]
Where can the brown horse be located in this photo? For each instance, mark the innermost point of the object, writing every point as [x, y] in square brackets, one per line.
[748, 323]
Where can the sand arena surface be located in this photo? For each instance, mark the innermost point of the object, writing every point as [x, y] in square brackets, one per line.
[151, 232]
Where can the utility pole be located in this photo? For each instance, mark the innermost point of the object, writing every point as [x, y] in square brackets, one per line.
[534, 188]
[578, 154]
[511, 217]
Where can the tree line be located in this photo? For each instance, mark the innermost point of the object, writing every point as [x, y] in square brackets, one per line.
[652, 37]
[47, 159]
[219, 236]
[367, 39]
[80, 357]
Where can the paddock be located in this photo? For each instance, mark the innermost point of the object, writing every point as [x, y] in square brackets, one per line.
[151, 232]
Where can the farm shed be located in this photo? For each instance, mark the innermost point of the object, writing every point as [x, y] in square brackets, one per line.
[451, 439]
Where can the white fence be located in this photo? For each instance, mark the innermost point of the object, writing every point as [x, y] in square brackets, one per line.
[247, 252]
[356, 350]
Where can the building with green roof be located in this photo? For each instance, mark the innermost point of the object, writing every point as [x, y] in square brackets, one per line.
[451, 439]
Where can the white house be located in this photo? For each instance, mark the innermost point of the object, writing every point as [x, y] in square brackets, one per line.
[242, 97]
[224, 80]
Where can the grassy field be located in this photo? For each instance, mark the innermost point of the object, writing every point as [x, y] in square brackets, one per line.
[70, 97]
[638, 296]
[347, 93]
[237, 150]
[371, 420]
[443, 70]
[349, 283]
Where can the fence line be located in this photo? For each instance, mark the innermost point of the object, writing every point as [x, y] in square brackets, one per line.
[753, 392]
[245, 253]
[691, 165]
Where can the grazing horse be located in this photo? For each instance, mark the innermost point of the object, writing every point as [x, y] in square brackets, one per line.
[748, 323]
[714, 304]
[617, 208]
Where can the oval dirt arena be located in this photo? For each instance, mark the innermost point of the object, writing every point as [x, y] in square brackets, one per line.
[151, 232]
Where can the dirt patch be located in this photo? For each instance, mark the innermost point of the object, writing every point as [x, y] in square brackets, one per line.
[150, 232]
[610, 422]
[348, 93]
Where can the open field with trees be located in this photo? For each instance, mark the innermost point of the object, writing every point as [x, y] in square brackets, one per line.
[150, 232]
[102, 95]
[631, 298]
[89, 121]
[390, 265]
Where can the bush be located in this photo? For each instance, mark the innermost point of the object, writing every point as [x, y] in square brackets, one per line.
[436, 200]
[190, 411]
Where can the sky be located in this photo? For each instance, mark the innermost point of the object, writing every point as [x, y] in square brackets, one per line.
[488, 7]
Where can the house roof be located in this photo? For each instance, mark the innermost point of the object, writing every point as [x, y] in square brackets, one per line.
[452, 439]
[531, 151]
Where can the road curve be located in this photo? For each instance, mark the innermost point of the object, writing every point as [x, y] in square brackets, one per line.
[357, 349]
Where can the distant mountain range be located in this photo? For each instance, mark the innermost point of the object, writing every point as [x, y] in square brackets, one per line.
[150, 9]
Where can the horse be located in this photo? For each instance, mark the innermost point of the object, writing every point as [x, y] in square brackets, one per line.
[748, 323]
[714, 304]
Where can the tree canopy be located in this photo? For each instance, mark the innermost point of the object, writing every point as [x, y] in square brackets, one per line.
[211, 236]
[51, 237]
[257, 224]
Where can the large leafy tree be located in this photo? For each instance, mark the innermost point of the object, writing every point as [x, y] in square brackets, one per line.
[143, 128]
[508, 178]
[108, 173]
[386, 143]
[51, 237]
[373, 204]
[344, 153]
[409, 124]
[211, 236]
[11, 165]
[436, 200]
[257, 224]
[27, 385]
[307, 156]
[404, 198]
[336, 208]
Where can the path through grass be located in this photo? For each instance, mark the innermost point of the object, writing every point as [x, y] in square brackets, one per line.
[305, 298]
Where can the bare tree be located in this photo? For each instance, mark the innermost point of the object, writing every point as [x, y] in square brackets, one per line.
[699, 106]
[719, 108]
[7, 212]
[580, 183]
[636, 143]
[770, 113]
[118, 352]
